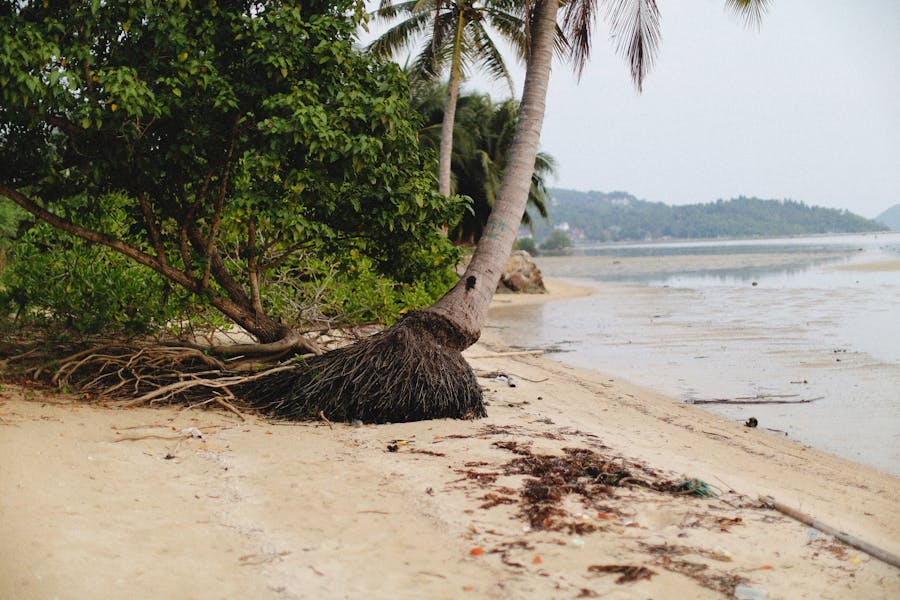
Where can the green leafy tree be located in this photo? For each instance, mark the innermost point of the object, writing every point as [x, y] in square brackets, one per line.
[557, 241]
[234, 140]
[454, 35]
[527, 244]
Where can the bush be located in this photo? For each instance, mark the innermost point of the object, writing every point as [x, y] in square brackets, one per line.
[557, 242]
[527, 244]
[57, 281]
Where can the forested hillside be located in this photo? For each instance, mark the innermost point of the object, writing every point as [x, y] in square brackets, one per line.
[890, 217]
[614, 216]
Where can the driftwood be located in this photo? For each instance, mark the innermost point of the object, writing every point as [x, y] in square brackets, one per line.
[870, 549]
[507, 354]
[761, 399]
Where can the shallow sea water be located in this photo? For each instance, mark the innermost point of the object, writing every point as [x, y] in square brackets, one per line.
[793, 319]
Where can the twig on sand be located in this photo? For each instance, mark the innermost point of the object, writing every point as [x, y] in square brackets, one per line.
[324, 418]
[168, 391]
[870, 549]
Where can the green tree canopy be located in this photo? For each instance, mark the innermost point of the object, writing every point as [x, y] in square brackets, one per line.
[224, 145]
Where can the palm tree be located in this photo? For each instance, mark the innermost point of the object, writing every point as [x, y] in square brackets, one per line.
[484, 136]
[484, 132]
[635, 27]
[415, 370]
[454, 37]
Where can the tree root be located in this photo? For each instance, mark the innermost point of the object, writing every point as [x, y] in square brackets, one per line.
[409, 372]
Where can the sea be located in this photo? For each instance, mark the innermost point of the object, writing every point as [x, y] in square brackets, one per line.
[800, 334]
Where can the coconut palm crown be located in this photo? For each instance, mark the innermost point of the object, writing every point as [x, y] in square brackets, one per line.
[454, 37]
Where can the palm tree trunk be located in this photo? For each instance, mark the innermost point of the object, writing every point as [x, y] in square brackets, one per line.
[466, 305]
[446, 150]
[447, 134]
[414, 369]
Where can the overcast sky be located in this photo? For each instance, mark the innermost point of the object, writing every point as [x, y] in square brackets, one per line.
[807, 107]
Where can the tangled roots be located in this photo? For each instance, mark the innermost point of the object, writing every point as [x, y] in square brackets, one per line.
[409, 372]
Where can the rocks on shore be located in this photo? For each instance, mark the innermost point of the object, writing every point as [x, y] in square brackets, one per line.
[521, 275]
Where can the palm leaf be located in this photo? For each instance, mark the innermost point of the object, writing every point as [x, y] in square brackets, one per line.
[400, 35]
[488, 55]
[752, 11]
[635, 29]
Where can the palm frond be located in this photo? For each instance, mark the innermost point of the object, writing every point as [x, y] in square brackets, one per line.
[577, 27]
[635, 29]
[390, 10]
[511, 27]
[488, 55]
[399, 36]
[752, 11]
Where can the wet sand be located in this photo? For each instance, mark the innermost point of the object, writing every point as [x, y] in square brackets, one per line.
[816, 334]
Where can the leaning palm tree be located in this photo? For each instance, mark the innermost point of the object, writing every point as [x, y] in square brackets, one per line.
[454, 36]
[415, 370]
[635, 30]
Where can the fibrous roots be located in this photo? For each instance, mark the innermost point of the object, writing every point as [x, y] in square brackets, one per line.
[409, 372]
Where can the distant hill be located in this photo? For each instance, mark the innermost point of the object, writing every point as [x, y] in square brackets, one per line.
[890, 218]
[615, 216]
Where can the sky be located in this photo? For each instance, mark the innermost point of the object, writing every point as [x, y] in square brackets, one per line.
[805, 107]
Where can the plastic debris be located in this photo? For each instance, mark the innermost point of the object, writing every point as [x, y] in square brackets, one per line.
[695, 487]
[749, 592]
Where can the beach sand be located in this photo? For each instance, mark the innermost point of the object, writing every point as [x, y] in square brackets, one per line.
[98, 502]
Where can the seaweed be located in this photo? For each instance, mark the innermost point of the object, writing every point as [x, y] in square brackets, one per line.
[628, 573]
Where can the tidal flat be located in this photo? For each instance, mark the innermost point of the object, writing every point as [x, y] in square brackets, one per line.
[802, 334]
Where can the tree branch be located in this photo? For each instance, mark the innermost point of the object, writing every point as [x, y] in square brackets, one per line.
[253, 268]
[152, 229]
[95, 237]
[219, 272]
[189, 218]
[220, 201]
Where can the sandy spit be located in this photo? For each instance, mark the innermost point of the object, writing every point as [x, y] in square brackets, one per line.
[162, 502]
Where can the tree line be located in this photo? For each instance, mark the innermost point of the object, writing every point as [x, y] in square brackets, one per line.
[618, 216]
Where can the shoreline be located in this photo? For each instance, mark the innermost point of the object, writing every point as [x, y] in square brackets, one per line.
[97, 501]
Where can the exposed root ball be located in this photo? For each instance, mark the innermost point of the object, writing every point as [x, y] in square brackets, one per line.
[409, 372]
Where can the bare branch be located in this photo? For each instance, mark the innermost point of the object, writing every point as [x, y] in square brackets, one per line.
[189, 218]
[220, 200]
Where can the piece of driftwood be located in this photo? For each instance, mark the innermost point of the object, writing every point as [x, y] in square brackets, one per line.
[758, 400]
[506, 354]
[870, 549]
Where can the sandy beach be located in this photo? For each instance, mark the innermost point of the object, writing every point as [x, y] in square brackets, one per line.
[163, 502]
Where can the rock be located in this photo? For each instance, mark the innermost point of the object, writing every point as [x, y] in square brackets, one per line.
[521, 275]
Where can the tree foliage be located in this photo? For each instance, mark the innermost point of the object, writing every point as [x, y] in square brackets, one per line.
[482, 137]
[455, 36]
[227, 146]
[557, 241]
